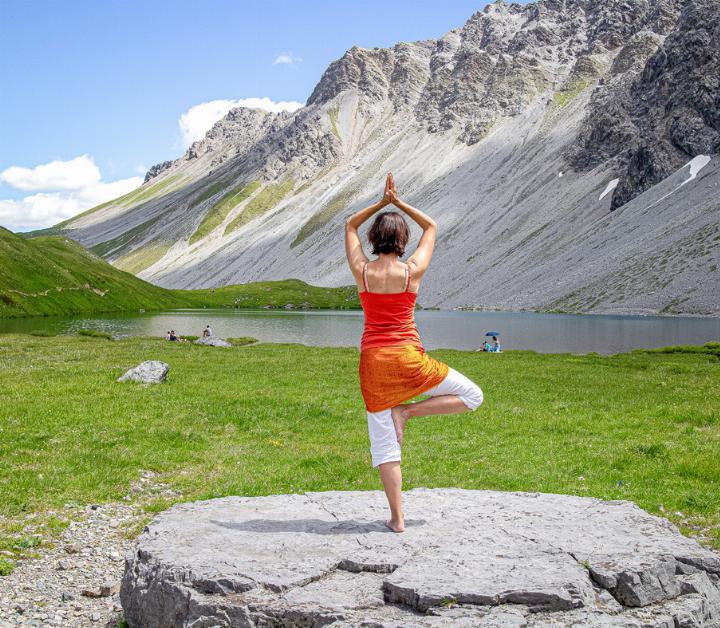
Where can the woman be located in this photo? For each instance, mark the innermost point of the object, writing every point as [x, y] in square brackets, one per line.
[394, 367]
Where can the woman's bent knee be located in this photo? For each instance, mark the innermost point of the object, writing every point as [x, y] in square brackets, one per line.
[382, 460]
[474, 398]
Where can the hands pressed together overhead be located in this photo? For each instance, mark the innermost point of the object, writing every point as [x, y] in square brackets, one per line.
[353, 247]
[390, 195]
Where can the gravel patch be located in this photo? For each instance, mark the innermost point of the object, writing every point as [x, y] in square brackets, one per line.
[75, 579]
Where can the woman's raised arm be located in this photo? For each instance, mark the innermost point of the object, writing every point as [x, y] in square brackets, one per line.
[420, 259]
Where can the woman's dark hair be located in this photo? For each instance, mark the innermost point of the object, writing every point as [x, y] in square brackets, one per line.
[389, 233]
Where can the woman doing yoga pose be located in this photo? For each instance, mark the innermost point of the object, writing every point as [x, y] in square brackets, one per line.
[394, 367]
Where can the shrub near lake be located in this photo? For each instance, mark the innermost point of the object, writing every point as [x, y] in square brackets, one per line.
[269, 418]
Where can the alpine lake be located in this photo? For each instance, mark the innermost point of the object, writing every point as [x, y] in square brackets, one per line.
[451, 329]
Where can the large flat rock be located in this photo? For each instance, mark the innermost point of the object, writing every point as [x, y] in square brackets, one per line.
[468, 558]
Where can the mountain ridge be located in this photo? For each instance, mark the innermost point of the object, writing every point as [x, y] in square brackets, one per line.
[511, 130]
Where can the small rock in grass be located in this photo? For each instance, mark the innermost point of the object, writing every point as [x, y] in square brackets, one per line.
[213, 341]
[148, 372]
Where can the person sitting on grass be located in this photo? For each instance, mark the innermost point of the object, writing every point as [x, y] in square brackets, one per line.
[207, 332]
[173, 336]
[485, 346]
[167, 335]
[394, 367]
[495, 345]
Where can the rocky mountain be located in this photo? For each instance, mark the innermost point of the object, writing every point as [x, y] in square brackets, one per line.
[567, 149]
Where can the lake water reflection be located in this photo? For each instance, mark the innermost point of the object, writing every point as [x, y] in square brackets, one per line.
[547, 333]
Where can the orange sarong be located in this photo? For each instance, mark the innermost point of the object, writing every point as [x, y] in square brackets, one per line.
[394, 374]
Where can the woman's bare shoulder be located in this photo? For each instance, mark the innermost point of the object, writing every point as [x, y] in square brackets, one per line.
[412, 265]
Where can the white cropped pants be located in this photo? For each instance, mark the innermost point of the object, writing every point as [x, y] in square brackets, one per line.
[383, 440]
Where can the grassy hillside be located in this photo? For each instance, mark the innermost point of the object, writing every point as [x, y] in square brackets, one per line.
[287, 293]
[53, 275]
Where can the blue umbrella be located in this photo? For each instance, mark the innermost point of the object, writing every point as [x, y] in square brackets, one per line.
[493, 333]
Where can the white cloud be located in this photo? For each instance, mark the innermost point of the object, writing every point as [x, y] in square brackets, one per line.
[198, 120]
[96, 194]
[45, 209]
[74, 174]
[286, 58]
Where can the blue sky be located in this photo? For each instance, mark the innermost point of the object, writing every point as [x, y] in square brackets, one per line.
[100, 87]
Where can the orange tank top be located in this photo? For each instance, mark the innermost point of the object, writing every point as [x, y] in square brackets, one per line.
[389, 317]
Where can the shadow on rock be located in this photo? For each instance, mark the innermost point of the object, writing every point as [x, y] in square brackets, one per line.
[312, 526]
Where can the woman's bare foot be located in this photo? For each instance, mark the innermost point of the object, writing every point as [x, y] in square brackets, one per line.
[396, 526]
[399, 418]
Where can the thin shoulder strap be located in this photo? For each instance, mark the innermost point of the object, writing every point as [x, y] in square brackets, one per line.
[364, 276]
[407, 277]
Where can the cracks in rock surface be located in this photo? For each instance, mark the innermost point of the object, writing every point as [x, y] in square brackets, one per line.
[314, 568]
[322, 505]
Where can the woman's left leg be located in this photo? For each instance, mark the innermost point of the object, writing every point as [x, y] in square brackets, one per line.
[391, 477]
[455, 394]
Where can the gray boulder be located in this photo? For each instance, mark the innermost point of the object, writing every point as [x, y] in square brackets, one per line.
[213, 341]
[467, 558]
[148, 372]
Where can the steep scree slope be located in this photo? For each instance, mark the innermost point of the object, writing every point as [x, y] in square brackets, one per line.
[520, 132]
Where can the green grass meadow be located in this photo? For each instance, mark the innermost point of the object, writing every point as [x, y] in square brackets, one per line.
[274, 418]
